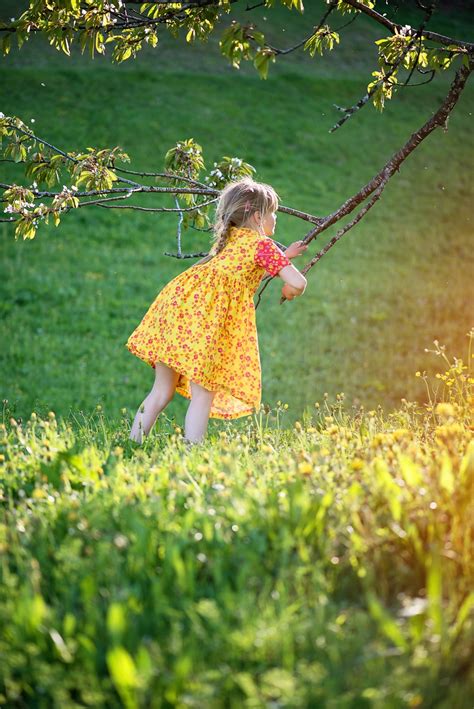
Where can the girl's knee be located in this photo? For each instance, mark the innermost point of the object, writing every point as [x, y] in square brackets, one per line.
[164, 398]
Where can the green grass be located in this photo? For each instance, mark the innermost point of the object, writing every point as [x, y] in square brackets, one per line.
[309, 556]
[327, 564]
[400, 279]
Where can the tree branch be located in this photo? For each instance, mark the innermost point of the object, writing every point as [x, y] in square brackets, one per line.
[315, 29]
[392, 26]
[419, 33]
[377, 183]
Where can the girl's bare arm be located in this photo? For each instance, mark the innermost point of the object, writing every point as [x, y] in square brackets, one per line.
[295, 282]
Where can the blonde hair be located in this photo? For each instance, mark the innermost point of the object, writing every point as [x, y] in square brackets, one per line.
[237, 202]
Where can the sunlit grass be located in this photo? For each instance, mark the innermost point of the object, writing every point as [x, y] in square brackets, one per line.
[329, 563]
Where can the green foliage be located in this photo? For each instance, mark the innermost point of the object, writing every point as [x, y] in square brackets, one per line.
[235, 44]
[97, 25]
[344, 8]
[319, 39]
[185, 158]
[91, 169]
[402, 50]
[269, 564]
[262, 61]
[290, 4]
[381, 88]
[227, 170]
[94, 171]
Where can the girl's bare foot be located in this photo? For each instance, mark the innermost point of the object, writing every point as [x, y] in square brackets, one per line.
[137, 438]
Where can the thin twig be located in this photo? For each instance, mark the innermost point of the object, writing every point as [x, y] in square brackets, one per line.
[315, 29]
[393, 165]
[349, 112]
[180, 256]
[393, 26]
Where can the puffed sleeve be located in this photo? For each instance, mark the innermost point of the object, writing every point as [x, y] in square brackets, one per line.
[270, 257]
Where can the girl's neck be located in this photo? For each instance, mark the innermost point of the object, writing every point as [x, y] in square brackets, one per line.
[253, 227]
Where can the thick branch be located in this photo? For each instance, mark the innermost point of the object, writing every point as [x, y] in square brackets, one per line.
[377, 183]
[374, 187]
[392, 26]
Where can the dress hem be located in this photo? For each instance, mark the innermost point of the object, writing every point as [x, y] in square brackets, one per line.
[135, 351]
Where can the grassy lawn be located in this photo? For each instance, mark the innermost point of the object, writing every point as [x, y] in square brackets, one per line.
[316, 554]
[322, 565]
[399, 280]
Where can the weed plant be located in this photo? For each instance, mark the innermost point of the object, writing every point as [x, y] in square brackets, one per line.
[324, 564]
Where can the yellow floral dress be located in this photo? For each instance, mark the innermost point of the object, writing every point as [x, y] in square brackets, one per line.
[202, 324]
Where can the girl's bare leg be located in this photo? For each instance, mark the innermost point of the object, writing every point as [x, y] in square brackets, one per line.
[197, 416]
[159, 397]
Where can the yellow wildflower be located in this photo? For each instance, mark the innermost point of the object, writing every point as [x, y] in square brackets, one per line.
[400, 433]
[444, 409]
[305, 468]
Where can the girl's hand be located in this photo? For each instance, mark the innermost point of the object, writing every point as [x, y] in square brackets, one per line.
[288, 292]
[296, 249]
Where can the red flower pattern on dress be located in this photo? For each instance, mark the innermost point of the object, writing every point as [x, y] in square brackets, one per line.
[270, 257]
[202, 324]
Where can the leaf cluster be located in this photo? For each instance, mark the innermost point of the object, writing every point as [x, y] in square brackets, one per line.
[186, 159]
[46, 165]
[410, 52]
[95, 171]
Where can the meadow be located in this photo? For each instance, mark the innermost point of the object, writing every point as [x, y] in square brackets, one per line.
[396, 282]
[317, 554]
[328, 564]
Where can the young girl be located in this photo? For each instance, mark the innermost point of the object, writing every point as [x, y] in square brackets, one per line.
[200, 333]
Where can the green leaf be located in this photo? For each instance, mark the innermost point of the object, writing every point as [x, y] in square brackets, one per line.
[262, 61]
[121, 667]
[6, 44]
[116, 622]
[434, 590]
[463, 614]
[410, 471]
[446, 478]
[387, 624]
